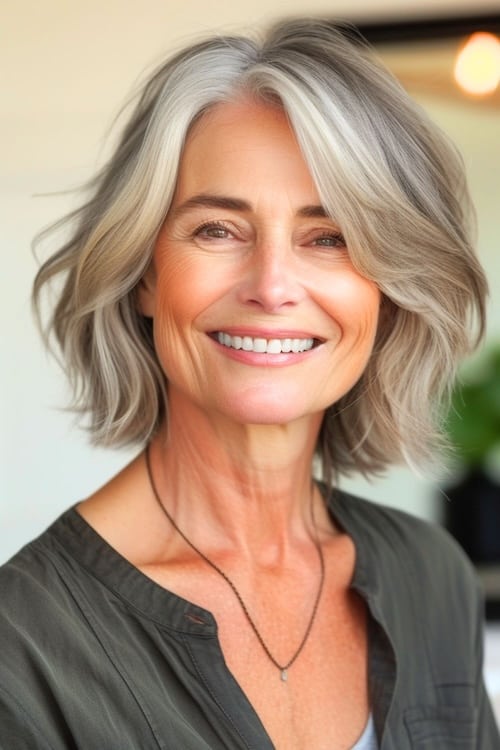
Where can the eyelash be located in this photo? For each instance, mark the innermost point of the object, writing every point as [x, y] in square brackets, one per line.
[211, 225]
[337, 237]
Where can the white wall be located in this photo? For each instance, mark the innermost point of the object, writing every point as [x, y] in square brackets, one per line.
[66, 67]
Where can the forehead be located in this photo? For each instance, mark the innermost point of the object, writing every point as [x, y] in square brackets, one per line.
[236, 118]
[242, 141]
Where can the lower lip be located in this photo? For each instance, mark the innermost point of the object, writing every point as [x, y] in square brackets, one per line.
[262, 359]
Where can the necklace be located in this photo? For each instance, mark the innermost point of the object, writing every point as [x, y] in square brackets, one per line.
[283, 668]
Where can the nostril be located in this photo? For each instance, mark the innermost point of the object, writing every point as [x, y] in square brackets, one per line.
[272, 282]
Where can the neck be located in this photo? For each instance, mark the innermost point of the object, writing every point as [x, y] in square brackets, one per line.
[243, 487]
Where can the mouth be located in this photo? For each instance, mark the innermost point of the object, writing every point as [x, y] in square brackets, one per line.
[262, 345]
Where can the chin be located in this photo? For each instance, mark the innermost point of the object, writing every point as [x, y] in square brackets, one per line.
[277, 410]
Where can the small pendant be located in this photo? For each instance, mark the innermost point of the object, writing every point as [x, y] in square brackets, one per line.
[284, 675]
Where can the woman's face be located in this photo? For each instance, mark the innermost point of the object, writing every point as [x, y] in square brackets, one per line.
[259, 314]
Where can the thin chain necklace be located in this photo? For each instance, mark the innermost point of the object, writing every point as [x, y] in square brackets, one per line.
[283, 668]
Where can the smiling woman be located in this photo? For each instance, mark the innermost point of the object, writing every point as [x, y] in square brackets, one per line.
[275, 264]
[248, 265]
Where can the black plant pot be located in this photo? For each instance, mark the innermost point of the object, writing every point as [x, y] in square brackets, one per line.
[472, 515]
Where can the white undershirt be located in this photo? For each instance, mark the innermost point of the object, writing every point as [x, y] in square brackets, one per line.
[368, 740]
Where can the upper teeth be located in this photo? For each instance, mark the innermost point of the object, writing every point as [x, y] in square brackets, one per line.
[267, 346]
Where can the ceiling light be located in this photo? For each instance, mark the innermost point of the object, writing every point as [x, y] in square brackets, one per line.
[477, 68]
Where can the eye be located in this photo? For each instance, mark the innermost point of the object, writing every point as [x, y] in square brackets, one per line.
[330, 239]
[214, 230]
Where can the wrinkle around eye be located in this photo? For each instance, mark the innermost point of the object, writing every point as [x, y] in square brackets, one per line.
[235, 231]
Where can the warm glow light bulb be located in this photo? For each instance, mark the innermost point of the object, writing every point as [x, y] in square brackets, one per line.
[477, 68]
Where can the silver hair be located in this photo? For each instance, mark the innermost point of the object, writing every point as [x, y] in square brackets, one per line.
[384, 172]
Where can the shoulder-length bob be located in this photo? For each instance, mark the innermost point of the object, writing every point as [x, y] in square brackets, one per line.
[383, 171]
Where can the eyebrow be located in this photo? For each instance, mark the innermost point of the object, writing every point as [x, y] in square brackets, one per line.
[207, 200]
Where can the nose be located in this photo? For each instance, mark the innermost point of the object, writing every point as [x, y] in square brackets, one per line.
[271, 279]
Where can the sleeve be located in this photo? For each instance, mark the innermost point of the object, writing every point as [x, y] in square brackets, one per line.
[18, 731]
[488, 735]
[30, 713]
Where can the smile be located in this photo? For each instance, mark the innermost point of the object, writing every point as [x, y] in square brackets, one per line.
[264, 346]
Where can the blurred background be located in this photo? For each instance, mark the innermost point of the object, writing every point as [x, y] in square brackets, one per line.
[67, 67]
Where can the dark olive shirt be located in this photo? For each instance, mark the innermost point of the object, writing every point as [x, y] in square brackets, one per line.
[96, 656]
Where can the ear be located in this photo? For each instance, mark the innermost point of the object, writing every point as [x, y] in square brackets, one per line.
[146, 292]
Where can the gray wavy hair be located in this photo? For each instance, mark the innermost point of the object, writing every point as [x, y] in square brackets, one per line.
[385, 173]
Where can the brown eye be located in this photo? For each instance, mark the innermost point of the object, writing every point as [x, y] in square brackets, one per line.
[214, 231]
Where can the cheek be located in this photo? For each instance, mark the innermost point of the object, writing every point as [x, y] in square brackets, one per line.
[186, 286]
[189, 277]
[369, 300]
[353, 302]
[179, 296]
[173, 308]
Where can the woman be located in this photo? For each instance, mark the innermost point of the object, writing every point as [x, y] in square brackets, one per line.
[274, 264]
